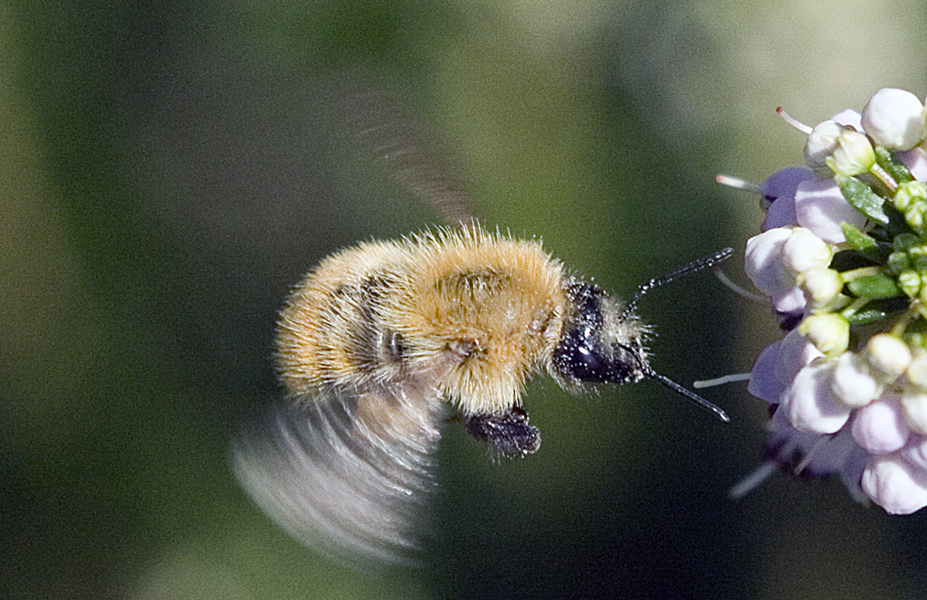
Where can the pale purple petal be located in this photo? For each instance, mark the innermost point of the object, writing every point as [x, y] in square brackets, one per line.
[789, 307]
[781, 213]
[915, 451]
[763, 262]
[784, 183]
[821, 207]
[916, 161]
[778, 193]
[795, 352]
[914, 408]
[813, 455]
[763, 382]
[895, 484]
[854, 463]
[791, 301]
[849, 118]
[880, 428]
[810, 405]
[840, 454]
[787, 445]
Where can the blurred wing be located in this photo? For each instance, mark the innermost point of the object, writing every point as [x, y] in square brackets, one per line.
[347, 473]
[403, 146]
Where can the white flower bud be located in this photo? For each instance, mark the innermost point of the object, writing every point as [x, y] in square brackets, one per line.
[887, 356]
[822, 286]
[821, 143]
[853, 155]
[894, 484]
[879, 427]
[917, 370]
[895, 119]
[829, 332]
[853, 385]
[809, 404]
[804, 250]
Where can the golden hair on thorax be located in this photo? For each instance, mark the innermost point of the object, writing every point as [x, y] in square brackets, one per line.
[487, 307]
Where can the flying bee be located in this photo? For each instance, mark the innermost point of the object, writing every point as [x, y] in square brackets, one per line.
[380, 338]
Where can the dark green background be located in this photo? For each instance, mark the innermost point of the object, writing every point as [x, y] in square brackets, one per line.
[166, 174]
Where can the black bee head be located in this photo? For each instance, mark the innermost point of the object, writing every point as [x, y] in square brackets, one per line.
[603, 341]
[599, 343]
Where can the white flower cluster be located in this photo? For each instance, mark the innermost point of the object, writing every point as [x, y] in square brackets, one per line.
[843, 259]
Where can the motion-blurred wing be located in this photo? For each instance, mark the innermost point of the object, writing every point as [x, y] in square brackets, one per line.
[405, 148]
[346, 473]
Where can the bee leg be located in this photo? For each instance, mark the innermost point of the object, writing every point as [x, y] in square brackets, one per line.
[508, 433]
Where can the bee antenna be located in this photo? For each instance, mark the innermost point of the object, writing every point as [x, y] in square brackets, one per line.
[677, 273]
[687, 394]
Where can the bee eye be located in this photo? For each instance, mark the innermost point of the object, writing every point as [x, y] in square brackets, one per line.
[579, 357]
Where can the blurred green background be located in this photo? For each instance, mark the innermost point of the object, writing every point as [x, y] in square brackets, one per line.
[166, 174]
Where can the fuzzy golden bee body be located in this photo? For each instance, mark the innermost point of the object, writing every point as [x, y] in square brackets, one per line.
[477, 314]
[380, 338]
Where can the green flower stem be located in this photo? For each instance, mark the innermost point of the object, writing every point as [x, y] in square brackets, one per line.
[854, 307]
[848, 276]
[904, 320]
[884, 176]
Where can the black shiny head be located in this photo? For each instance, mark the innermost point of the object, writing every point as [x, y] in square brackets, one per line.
[599, 344]
[602, 342]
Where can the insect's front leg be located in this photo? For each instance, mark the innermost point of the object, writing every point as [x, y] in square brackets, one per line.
[508, 433]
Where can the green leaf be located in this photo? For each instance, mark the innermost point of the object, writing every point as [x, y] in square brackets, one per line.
[896, 221]
[893, 166]
[862, 198]
[861, 242]
[874, 287]
[879, 310]
[866, 316]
